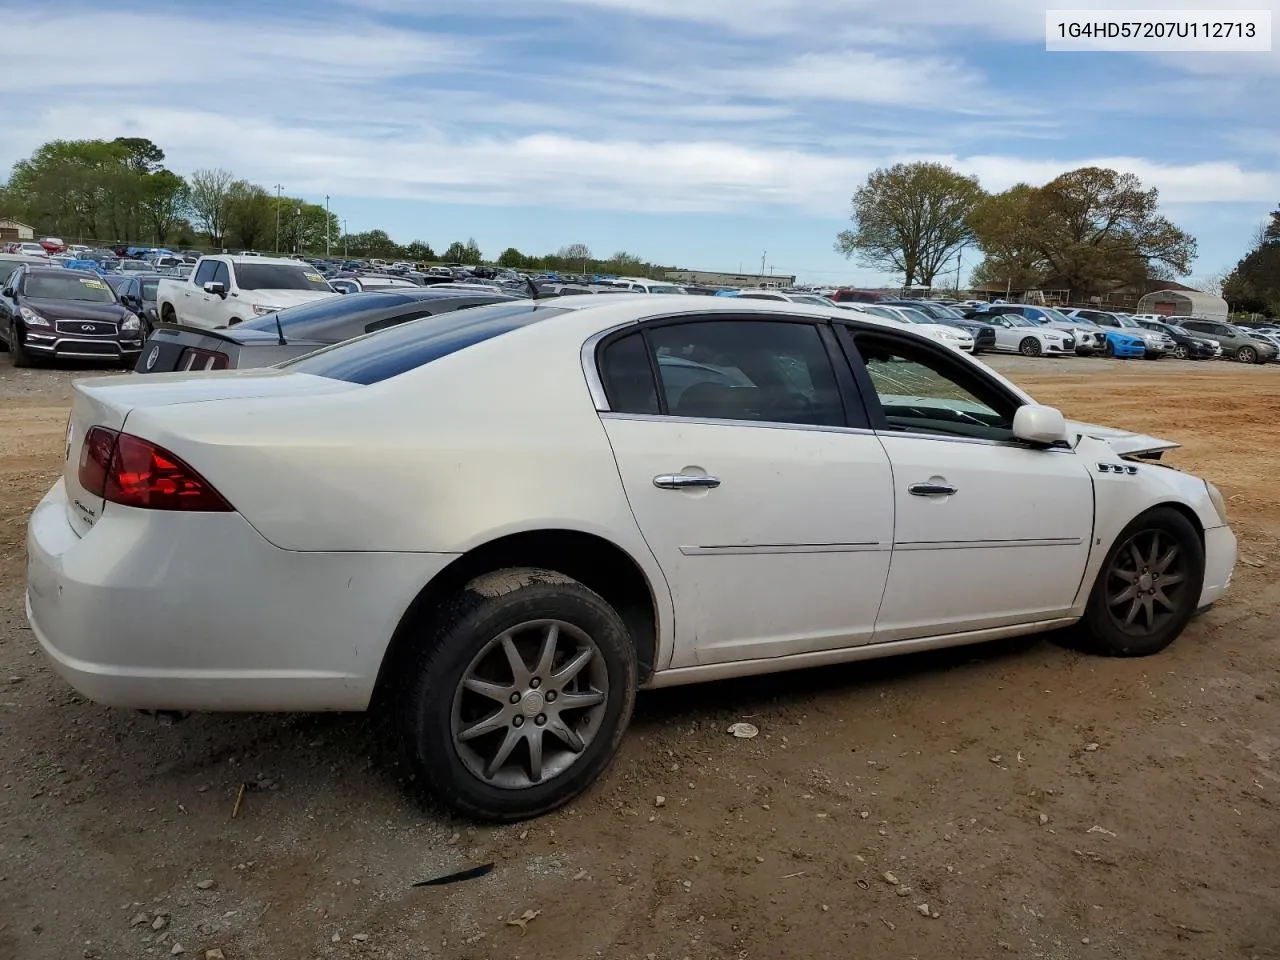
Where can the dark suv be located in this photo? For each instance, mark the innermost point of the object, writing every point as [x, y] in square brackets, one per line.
[52, 313]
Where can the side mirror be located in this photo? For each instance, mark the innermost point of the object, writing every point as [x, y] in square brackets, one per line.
[1043, 426]
[212, 286]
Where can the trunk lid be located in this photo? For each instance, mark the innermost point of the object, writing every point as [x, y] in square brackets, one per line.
[108, 401]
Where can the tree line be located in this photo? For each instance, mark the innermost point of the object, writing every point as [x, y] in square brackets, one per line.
[120, 192]
[1091, 231]
[1254, 285]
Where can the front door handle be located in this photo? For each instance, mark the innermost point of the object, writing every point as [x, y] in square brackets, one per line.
[931, 489]
[684, 481]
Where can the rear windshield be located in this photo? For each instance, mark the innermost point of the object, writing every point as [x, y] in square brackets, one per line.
[389, 353]
[330, 308]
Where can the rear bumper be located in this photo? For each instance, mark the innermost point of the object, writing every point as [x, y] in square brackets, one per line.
[1219, 562]
[196, 611]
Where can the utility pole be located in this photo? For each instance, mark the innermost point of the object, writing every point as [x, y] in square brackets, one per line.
[345, 254]
[327, 231]
[279, 188]
[959, 261]
[762, 256]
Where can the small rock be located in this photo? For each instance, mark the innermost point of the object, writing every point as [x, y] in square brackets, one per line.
[996, 759]
[15, 679]
[923, 910]
[864, 814]
[360, 937]
[687, 884]
[904, 891]
[177, 949]
[159, 923]
[759, 859]
[524, 834]
[580, 875]
[660, 801]
[743, 730]
[1090, 748]
[1085, 941]
[825, 908]
[139, 919]
[336, 938]
[214, 954]
[890, 878]
[453, 841]
[1044, 818]
[206, 884]
[934, 914]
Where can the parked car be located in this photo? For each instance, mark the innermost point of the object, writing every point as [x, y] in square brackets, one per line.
[10, 262]
[291, 332]
[138, 293]
[1155, 343]
[983, 334]
[1017, 334]
[368, 282]
[85, 264]
[1119, 344]
[809, 298]
[51, 313]
[1089, 337]
[226, 290]
[1236, 341]
[29, 248]
[1186, 346]
[851, 295]
[126, 265]
[353, 523]
[922, 323]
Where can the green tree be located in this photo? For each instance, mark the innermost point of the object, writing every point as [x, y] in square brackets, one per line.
[1254, 285]
[164, 201]
[471, 252]
[1271, 232]
[419, 250]
[251, 216]
[211, 202]
[511, 257]
[456, 253]
[1011, 258]
[911, 218]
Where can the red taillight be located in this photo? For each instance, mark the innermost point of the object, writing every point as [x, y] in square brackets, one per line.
[128, 470]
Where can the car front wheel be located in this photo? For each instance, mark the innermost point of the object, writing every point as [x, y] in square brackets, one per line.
[1148, 587]
[1181, 352]
[1247, 355]
[519, 696]
[1030, 347]
[21, 356]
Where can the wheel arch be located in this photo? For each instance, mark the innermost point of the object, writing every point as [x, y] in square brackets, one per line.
[594, 561]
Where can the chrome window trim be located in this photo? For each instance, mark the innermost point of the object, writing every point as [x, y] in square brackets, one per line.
[713, 421]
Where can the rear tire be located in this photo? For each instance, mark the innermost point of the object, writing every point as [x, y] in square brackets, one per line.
[1247, 355]
[1136, 607]
[461, 677]
[1180, 352]
[1029, 347]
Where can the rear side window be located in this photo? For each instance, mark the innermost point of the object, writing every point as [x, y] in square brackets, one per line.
[380, 356]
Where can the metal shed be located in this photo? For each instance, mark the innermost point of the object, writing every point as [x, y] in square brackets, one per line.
[1184, 303]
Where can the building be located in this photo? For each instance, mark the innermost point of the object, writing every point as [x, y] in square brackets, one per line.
[732, 279]
[1184, 302]
[14, 230]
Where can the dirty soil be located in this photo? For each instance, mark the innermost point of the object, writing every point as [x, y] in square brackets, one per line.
[1017, 799]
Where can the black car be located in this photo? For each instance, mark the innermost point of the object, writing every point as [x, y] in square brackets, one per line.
[50, 313]
[138, 293]
[1187, 346]
[984, 334]
[276, 337]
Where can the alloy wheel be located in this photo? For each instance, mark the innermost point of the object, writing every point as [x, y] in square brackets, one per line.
[529, 704]
[1145, 582]
[1246, 355]
[1181, 352]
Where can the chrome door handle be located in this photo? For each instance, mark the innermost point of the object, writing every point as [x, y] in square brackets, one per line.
[682, 481]
[931, 489]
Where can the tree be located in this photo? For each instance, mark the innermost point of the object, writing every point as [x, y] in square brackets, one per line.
[1271, 232]
[1254, 285]
[511, 257]
[911, 219]
[457, 252]
[210, 202]
[164, 202]
[419, 250]
[1090, 230]
[140, 154]
[576, 253]
[1010, 260]
[471, 252]
[251, 215]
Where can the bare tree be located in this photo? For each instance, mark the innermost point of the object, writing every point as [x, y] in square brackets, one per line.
[575, 252]
[211, 192]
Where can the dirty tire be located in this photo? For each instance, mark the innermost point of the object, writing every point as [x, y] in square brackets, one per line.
[167, 315]
[1029, 347]
[432, 682]
[1182, 352]
[1101, 630]
[21, 357]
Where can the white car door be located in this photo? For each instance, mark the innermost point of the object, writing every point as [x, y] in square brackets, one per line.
[753, 477]
[1007, 335]
[195, 302]
[988, 531]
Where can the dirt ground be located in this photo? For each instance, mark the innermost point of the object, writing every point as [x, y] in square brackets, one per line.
[1041, 803]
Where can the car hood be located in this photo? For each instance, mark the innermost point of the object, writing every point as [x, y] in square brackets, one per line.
[288, 298]
[75, 309]
[1123, 442]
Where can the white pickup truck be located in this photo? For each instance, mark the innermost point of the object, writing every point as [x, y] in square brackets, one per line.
[222, 291]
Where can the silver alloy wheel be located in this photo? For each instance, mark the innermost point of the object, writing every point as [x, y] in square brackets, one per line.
[529, 704]
[1151, 577]
[1247, 355]
[1181, 351]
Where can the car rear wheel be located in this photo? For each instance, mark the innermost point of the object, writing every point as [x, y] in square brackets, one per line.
[1181, 352]
[519, 696]
[1247, 355]
[1029, 347]
[1148, 587]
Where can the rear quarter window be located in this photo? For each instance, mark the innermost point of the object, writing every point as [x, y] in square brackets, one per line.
[388, 353]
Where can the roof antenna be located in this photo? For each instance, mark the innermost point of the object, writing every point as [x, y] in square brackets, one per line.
[280, 332]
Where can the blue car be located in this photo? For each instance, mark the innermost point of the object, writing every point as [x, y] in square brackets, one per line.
[85, 265]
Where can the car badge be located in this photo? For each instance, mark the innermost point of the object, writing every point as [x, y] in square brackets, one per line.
[87, 327]
[152, 357]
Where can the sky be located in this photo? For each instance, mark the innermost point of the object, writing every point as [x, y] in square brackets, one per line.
[710, 134]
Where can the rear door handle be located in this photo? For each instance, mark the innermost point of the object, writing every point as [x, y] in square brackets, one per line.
[683, 481]
[931, 489]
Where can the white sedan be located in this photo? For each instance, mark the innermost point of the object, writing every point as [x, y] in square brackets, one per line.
[921, 321]
[505, 521]
[1017, 334]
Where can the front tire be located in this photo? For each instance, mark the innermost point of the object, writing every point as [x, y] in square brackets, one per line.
[1247, 355]
[1109, 351]
[1148, 586]
[1181, 352]
[519, 695]
[1029, 347]
[21, 356]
